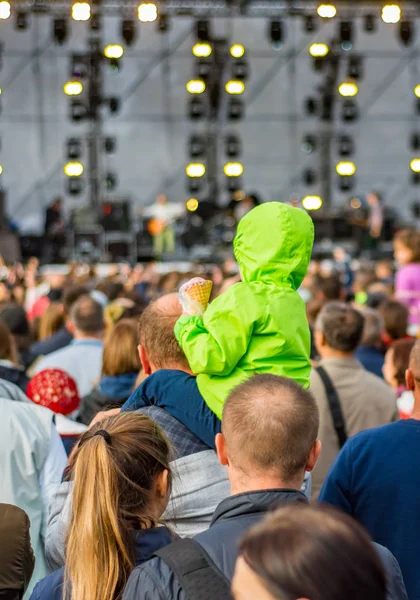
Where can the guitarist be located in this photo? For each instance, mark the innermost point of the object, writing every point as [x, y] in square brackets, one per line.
[163, 214]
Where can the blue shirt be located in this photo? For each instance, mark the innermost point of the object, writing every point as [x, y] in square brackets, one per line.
[371, 359]
[376, 479]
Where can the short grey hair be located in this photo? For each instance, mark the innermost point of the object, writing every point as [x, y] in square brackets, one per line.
[374, 326]
[341, 325]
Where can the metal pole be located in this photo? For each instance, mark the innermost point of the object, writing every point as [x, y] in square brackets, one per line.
[95, 135]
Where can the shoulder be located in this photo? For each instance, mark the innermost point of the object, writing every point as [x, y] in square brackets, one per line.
[368, 438]
[382, 390]
[50, 587]
[153, 580]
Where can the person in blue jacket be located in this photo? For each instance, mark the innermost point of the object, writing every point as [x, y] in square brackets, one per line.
[121, 486]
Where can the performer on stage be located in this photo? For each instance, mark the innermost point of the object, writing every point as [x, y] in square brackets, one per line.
[163, 215]
[54, 230]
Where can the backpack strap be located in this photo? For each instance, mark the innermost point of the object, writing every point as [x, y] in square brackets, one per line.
[199, 577]
[334, 406]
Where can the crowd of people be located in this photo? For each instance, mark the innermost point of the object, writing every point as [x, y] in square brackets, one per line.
[259, 446]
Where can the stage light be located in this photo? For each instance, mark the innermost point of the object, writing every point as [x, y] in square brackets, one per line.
[346, 183]
[370, 23]
[163, 22]
[237, 50]
[391, 13]
[348, 89]
[1, 169]
[311, 106]
[310, 24]
[276, 33]
[309, 177]
[74, 149]
[195, 170]
[197, 146]
[235, 109]
[80, 11]
[196, 86]
[415, 141]
[196, 109]
[417, 91]
[346, 33]
[113, 51]
[406, 32]
[240, 69]
[309, 144]
[355, 67]
[128, 31]
[73, 169]
[22, 20]
[73, 88]
[1, 91]
[312, 202]
[235, 87]
[60, 30]
[350, 111]
[415, 165]
[318, 50]
[203, 68]
[345, 169]
[203, 31]
[233, 146]
[110, 145]
[75, 186]
[114, 105]
[147, 12]
[326, 11]
[202, 49]
[111, 181]
[345, 145]
[233, 169]
[5, 10]
[78, 111]
[95, 22]
[192, 204]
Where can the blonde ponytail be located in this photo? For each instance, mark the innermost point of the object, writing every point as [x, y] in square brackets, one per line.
[113, 477]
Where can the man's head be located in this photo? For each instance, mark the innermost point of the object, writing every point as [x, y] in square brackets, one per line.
[86, 319]
[338, 330]
[372, 330]
[396, 318]
[158, 347]
[269, 434]
[71, 296]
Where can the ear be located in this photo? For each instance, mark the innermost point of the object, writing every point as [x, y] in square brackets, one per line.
[319, 339]
[409, 380]
[70, 326]
[221, 449]
[162, 484]
[313, 456]
[144, 360]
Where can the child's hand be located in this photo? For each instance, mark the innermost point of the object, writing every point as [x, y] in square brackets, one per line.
[194, 296]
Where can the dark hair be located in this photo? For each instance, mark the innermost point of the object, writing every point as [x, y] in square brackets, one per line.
[330, 287]
[341, 325]
[396, 318]
[7, 345]
[401, 352]
[410, 238]
[87, 316]
[17, 559]
[156, 335]
[372, 330]
[270, 423]
[71, 296]
[303, 551]
[15, 318]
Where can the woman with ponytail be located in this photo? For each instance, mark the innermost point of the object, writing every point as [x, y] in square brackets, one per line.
[122, 483]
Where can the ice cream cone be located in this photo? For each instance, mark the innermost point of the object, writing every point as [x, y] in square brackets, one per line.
[198, 292]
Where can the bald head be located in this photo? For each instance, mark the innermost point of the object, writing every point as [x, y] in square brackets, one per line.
[156, 333]
[270, 424]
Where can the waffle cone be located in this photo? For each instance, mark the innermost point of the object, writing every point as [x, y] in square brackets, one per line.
[199, 290]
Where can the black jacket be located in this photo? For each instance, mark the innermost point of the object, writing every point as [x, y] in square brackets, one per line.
[95, 402]
[14, 375]
[154, 580]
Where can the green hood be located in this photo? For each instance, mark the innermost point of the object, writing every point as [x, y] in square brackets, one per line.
[274, 242]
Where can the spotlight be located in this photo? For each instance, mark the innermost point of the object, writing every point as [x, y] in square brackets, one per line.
[202, 49]
[415, 141]
[311, 106]
[312, 202]
[235, 110]
[203, 68]
[111, 181]
[406, 32]
[80, 65]
[22, 20]
[237, 51]
[417, 91]
[73, 169]
[110, 145]
[356, 70]
[310, 24]
[197, 108]
[203, 31]
[370, 24]
[95, 22]
[309, 144]
[78, 111]
[391, 13]
[75, 186]
[163, 23]
[60, 30]
[195, 170]
[147, 12]
[233, 146]
[327, 106]
[233, 185]
[415, 165]
[309, 177]
[345, 168]
[73, 88]
[113, 51]
[318, 50]
[195, 86]
[240, 69]
[194, 185]
[276, 33]
[5, 10]
[192, 204]
[348, 89]
[114, 104]
[346, 32]
[346, 184]
[416, 178]
[1, 169]
[326, 11]
[233, 169]
[114, 65]
[235, 87]
[128, 31]
[345, 145]
[80, 11]
[197, 146]
[74, 148]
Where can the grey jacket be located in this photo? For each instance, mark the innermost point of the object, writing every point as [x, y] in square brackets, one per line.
[154, 580]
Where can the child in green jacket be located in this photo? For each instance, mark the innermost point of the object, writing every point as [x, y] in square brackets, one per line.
[258, 326]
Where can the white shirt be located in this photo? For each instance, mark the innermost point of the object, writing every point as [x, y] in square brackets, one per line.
[164, 212]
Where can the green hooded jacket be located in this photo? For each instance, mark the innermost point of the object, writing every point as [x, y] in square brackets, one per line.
[260, 324]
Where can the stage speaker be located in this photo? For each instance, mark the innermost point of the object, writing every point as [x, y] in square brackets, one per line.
[116, 216]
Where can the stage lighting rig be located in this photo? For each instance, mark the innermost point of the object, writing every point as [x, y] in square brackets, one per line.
[312, 202]
[346, 184]
[22, 20]
[74, 149]
[233, 169]
[147, 12]
[73, 88]
[128, 31]
[196, 108]
[114, 105]
[202, 49]
[345, 145]
[203, 31]
[345, 168]
[60, 31]
[415, 141]
[80, 64]
[78, 111]
[235, 87]
[310, 24]
[192, 204]
[406, 32]
[75, 186]
[350, 111]
[80, 11]
[203, 68]
[327, 11]
[5, 10]
[370, 23]
[111, 181]
[197, 146]
[276, 33]
[309, 177]
[195, 170]
[346, 35]
[309, 144]
[311, 107]
[110, 145]
[318, 50]
[240, 69]
[391, 13]
[73, 169]
[348, 89]
[233, 146]
[355, 70]
[237, 51]
[235, 109]
[163, 22]
[195, 86]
